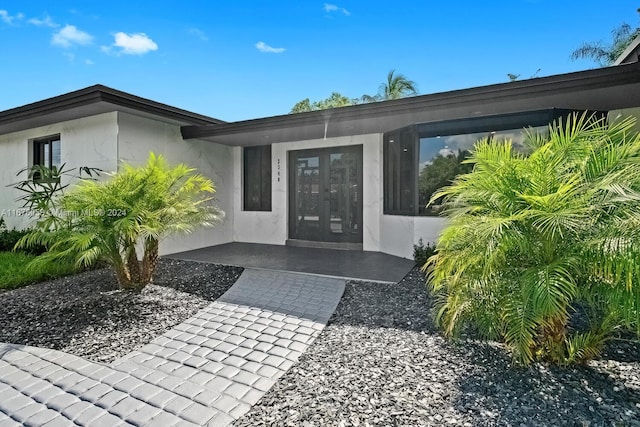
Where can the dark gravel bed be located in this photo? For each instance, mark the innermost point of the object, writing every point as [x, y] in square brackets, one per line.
[382, 362]
[85, 315]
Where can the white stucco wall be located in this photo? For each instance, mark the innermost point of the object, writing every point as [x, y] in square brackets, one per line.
[627, 112]
[399, 233]
[137, 136]
[381, 233]
[272, 227]
[90, 141]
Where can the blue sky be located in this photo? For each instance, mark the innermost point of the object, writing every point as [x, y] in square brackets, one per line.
[239, 60]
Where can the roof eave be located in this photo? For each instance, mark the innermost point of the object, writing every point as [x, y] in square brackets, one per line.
[96, 94]
[590, 79]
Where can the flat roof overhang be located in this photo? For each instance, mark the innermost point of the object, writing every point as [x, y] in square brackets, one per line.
[90, 101]
[600, 89]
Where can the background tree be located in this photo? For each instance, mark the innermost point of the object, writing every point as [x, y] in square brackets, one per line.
[441, 172]
[397, 86]
[335, 100]
[606, 54]
[301, 106]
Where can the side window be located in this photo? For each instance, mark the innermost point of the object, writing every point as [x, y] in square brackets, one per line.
[46, 154]
[257, 178]
[400, 172]
[46, 151]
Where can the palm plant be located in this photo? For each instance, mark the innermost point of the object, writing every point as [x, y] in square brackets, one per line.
[397, 86]
[607, 54]
[532, 239]
[138, 207]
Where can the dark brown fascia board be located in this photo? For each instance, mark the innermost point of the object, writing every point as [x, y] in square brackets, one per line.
[635, 43]
[100, 93]
[581, 80]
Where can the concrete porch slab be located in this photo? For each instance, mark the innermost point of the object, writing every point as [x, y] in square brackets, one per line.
[360, 265]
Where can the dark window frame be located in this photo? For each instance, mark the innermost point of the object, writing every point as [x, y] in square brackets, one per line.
[38, 150]
[400, 193]
[40, 159]
[257, 178]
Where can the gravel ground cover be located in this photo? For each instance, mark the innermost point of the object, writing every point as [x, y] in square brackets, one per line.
[382, 362]
[84, 315]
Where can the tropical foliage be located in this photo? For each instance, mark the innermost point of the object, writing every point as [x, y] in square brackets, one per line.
[42, 187]
[440, 172]
[395, 87]
[133, 210]
[539, 244]
[14, 274]
[334, 101]
[606, 54]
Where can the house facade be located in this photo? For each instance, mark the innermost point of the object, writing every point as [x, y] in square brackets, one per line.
[354, 178]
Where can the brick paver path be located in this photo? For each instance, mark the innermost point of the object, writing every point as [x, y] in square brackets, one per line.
[208, 370]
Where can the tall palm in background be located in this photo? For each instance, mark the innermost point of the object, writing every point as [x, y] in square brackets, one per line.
[395, 87]
[607, 54]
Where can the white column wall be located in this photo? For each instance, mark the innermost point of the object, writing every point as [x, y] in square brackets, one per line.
[624, 113]
[399, 233]
[138, 136]
[89, 141]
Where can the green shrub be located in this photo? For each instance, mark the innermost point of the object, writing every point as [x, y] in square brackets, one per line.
[14, 274]
[532, 237]
[138, 206]
[422, 252]
[9, 238]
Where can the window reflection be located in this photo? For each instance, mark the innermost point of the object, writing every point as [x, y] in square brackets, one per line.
[441, 160]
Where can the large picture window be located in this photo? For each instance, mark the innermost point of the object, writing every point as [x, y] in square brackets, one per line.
[257, 178]
[420, 159]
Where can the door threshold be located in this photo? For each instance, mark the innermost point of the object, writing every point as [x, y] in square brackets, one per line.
[324, 245]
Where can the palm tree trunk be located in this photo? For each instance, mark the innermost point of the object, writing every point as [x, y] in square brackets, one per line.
[149, 261]
[553, 339]
[133, 265]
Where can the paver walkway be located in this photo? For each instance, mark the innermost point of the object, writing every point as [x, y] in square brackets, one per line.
[208, 370]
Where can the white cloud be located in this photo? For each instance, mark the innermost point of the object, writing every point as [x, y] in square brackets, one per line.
[44, 22]
[69, 35]
[88, 62]
[133, 44]
[263, 47]
[70, 56]
[198, 33]
[8, 19]
[328, 7]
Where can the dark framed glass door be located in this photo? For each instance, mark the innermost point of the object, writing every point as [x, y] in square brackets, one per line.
[325, 194]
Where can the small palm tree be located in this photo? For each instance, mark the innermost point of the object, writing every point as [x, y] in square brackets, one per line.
[533, 238]
[137, 207]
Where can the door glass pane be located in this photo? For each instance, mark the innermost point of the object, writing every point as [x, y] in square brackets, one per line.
[307, 197]
[344, 195]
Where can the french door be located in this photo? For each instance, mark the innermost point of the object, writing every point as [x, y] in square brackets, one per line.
[325, 194]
